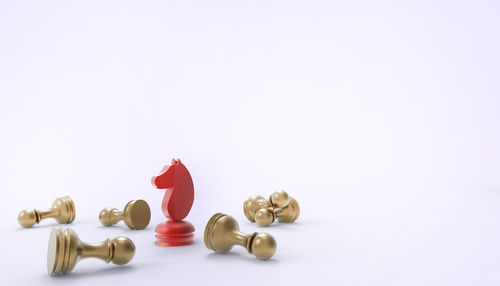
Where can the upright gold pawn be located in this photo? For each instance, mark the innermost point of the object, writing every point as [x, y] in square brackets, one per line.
[136, 215]
[65, 250]
[63, 210]
[222, 233]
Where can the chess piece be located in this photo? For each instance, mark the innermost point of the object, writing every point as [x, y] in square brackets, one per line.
[177, 201]
[279, 199]
[222, 232]
[290, 213]
[63, 210]
[136, 215]
[253, 204]
[279, 206]
[65, 250]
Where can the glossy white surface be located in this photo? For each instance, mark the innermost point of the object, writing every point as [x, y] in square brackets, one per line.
[52, 251]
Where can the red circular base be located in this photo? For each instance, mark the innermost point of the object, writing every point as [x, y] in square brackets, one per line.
[174, 233]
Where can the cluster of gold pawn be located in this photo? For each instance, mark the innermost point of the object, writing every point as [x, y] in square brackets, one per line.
[65, 248]
[279, 206]
[221, 232]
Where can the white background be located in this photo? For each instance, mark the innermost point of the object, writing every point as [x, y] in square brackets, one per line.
[380, 117]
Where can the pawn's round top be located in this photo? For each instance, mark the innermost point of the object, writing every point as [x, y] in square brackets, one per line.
[124, 250]
[265, 217]
[27, 218]
[137, 214]
[279, 199]
[263, 246]
[106, 216]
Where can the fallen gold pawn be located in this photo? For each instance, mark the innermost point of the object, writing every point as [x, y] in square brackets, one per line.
[63, 210]
[222, 233]
[136, 215]
[65, 250]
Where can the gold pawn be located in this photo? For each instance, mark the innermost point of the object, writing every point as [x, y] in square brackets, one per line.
[279, 199]
[253, 204]
[222, 233]
[65, 250]
[136, 215]
[290, 213]
[63, 210]
[279, 206]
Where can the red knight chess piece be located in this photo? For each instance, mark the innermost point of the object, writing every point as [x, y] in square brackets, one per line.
[177, 202]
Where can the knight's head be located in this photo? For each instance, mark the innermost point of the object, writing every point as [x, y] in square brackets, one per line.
[165, 179]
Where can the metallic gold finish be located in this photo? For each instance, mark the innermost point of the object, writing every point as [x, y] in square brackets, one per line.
[136, 215]
[254, 204]
[63, 210]
[280, 206]
[222, 233]
[65, 250]
[279, 199]
[265, 217]
[290, 213]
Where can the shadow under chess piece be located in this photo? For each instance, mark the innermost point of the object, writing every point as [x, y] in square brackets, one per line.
[177, 201]
[222, 233]
[279, 206]
[65, 250]
[136, 215]
[63, 210]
